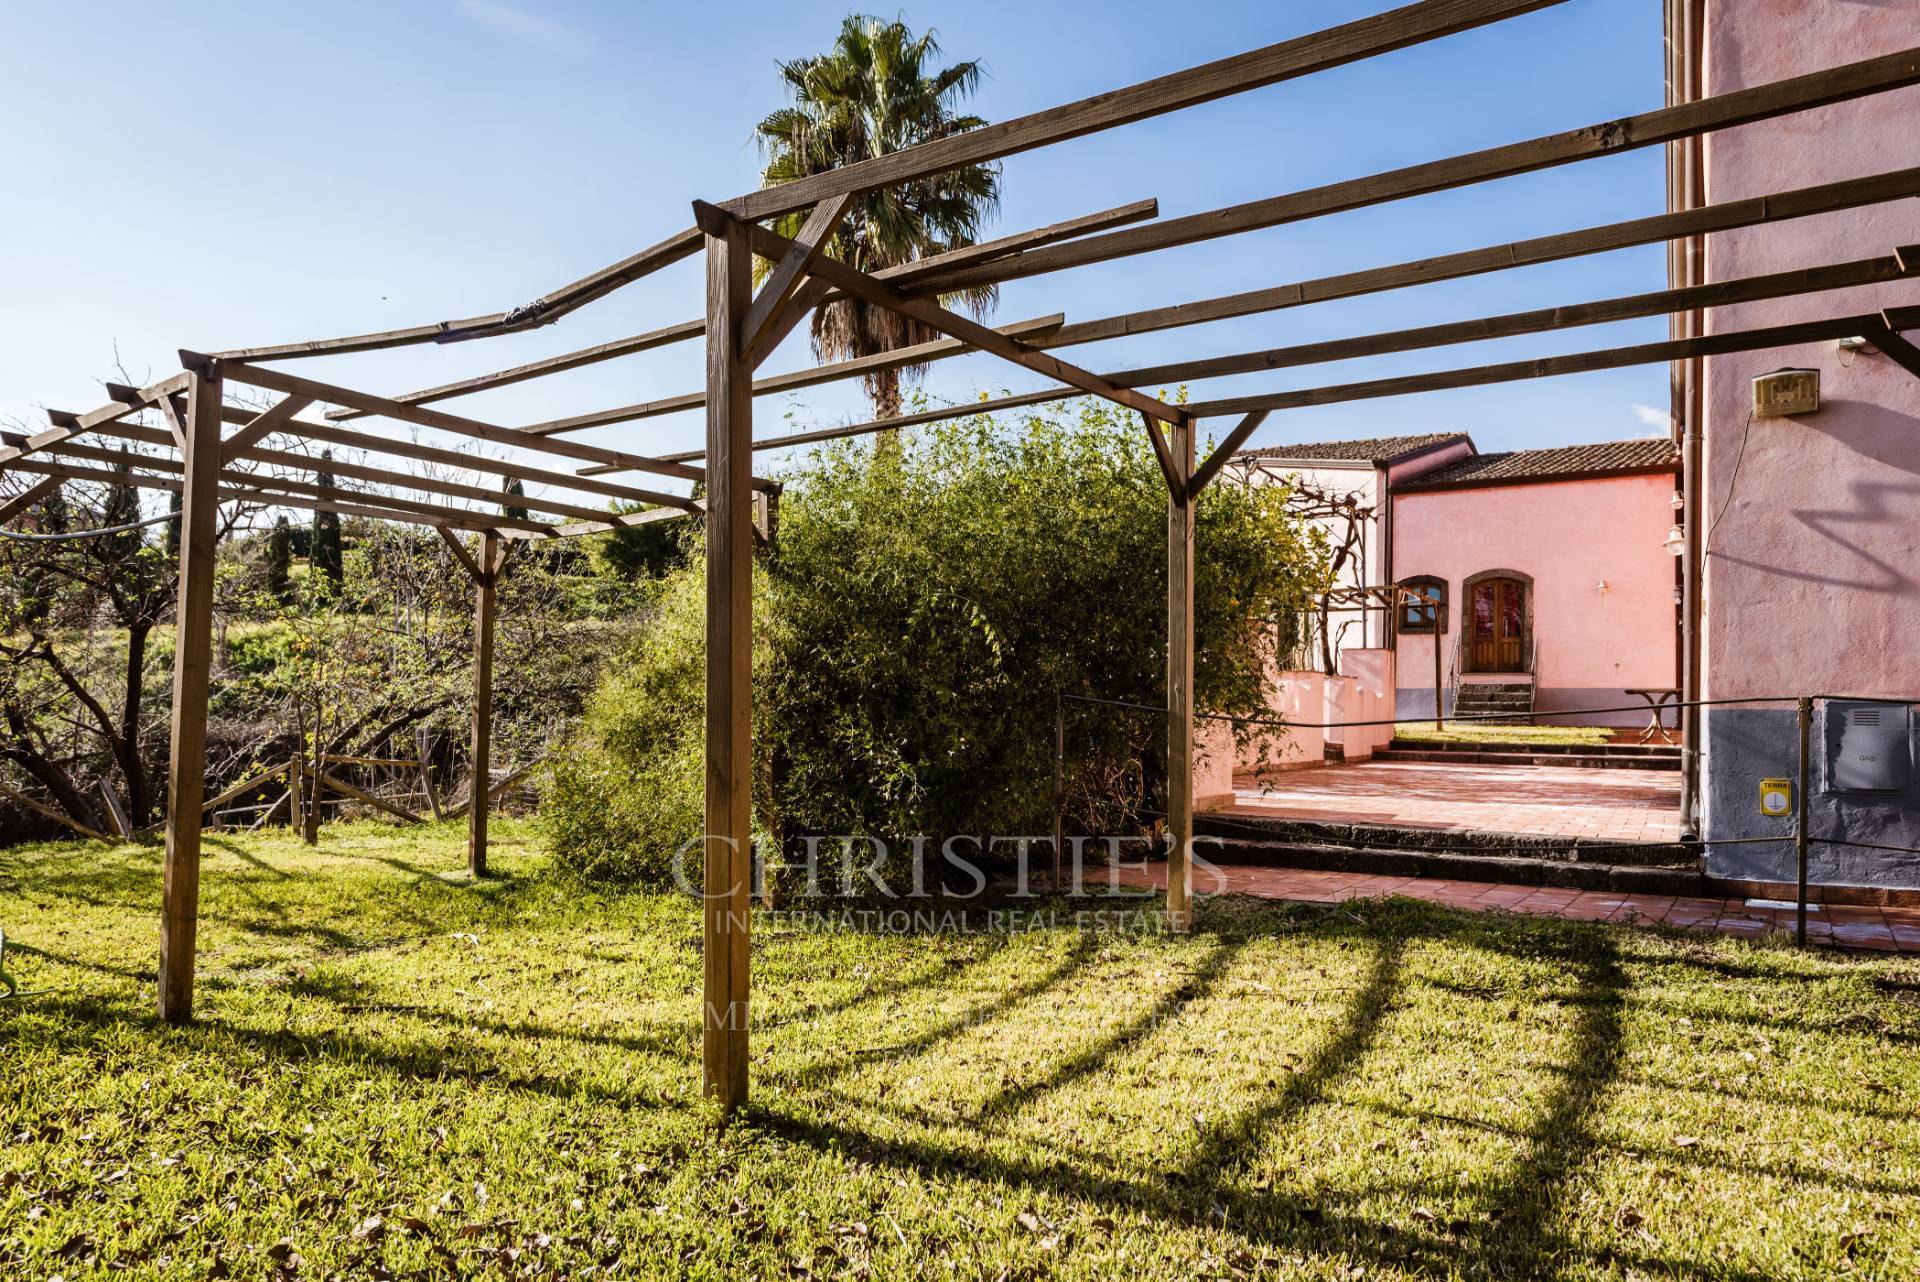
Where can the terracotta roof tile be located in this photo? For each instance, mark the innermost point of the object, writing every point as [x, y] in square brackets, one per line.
[1378, 450]
[1554, 464]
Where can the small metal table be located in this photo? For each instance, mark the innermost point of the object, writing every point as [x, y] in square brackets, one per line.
[1656, 701]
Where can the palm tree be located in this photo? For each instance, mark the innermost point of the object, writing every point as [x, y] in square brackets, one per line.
[872, 93]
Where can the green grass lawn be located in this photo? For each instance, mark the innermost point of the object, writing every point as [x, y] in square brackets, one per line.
[1484, 732]
[397, 1073]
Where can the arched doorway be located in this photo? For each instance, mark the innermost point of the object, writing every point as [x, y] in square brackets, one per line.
[1499, 622]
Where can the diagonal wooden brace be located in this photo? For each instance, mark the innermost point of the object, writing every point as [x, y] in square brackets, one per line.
[769, 244]
[761, 331]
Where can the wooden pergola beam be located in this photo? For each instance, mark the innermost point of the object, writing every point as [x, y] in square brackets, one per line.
[397, 506]
[358, 471]
[1787, 284]
[542, 311]
[855, 367]
[66, 426]
[250, 490]
[626, 520]
[1336, 46]
[952, 260]
[1799, 203]
[871, 426]
[772, 245]
[293, 385]
[1648, 129]
[1749, 340]
[619, 347]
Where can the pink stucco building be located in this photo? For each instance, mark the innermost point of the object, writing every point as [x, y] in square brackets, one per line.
[1556, 589]
[1806, 530]
[1554, 585]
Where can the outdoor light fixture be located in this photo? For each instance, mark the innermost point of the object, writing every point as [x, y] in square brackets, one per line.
[1676, 540]
[1601, 587]
[1786, 392]
[1678, 501]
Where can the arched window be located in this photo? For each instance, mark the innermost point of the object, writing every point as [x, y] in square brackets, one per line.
[1426, 609]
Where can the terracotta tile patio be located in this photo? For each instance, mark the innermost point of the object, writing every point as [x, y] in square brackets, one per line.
[1552, 801]
[1892, 930]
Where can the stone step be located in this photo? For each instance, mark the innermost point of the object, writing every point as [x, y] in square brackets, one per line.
[1541, 749]
[1522, 757]
[1231, 832]
[1458, 866]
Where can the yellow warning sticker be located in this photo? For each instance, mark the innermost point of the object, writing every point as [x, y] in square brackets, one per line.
[1776, 796]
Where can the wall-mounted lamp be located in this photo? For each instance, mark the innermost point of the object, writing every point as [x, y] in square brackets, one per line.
[1601, 587]
[1676, 540]
[1678, 501]
[1786, 393]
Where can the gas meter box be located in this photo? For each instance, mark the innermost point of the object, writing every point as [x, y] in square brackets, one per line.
[1869, 746]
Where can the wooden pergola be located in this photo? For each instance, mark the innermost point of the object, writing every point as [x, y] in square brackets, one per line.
[742, 327]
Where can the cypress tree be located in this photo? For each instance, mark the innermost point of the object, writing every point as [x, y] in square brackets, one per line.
[280, 560]
[326, 559]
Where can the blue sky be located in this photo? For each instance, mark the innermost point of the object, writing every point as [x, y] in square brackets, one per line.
[211, 175]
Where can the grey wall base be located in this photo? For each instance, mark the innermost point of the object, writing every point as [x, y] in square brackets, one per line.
[1746, 745]
[1417, 701]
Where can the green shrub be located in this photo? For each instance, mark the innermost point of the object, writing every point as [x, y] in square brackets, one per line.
[912, 627]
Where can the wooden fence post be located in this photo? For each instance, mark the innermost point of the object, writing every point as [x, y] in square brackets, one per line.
[297, 794]
[1180, 508]
[728, 852]
[192, 665]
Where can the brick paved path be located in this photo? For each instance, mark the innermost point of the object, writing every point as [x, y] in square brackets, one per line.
[1563, 801]
[1839, 926]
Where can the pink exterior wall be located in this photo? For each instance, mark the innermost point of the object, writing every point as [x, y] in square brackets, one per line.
[1365, 693]
[1300, 697]
[1813, 572]
[1213, 765]
[1569, 536]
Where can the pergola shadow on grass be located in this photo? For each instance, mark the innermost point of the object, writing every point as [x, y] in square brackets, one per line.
[741, 328]
[1408, 1087]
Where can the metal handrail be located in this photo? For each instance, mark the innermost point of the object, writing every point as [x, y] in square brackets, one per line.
[1453, 680]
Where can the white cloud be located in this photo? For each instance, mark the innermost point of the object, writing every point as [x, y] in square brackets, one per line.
[1658, 419]
[522, 24]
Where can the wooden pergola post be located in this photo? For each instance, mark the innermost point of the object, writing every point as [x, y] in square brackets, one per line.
[728, 845]
[192, 665]
[482, 755]
[1180, 508]
[485, 574]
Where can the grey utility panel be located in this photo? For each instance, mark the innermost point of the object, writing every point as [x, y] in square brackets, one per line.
[1869, 746]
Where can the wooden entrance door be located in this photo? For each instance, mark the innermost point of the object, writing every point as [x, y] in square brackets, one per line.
[1498, 626]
